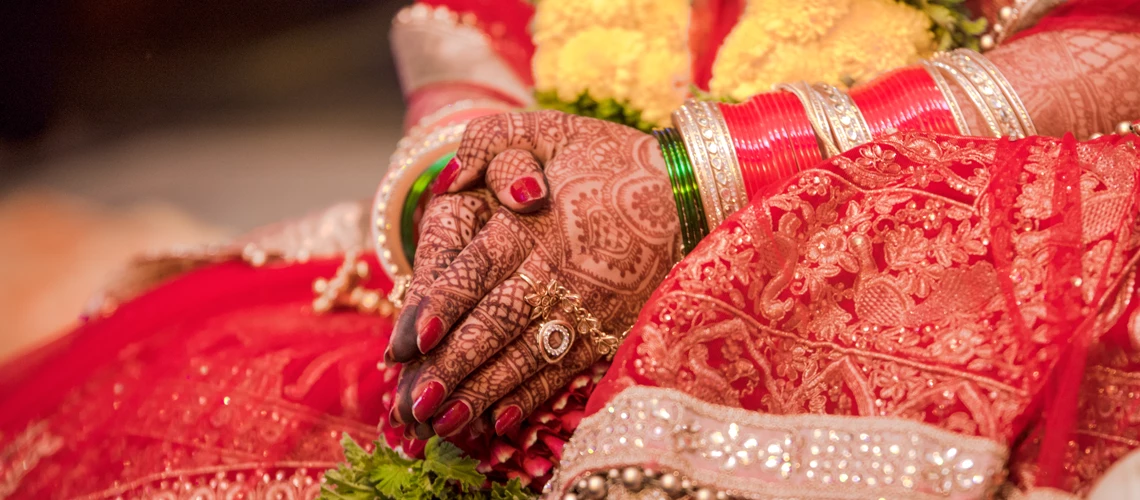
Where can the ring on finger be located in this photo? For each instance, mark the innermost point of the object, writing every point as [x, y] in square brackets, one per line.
[551, 297]
[554, 340]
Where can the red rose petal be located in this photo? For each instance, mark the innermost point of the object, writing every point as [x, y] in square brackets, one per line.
[537, 466]
[501, 452]
[571, 420]
[553, 442]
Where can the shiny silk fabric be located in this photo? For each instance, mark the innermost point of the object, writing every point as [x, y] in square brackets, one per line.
[925, 279]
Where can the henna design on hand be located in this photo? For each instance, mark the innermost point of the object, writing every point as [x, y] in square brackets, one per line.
[516, 178]
[605, 235]
[1077, 81]
[449, 224]
[536, 390]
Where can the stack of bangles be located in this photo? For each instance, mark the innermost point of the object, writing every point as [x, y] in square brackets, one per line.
[719, 155]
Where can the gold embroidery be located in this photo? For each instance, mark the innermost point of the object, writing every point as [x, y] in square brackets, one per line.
[755, 455]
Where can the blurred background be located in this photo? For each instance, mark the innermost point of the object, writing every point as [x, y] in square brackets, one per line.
[130, 125]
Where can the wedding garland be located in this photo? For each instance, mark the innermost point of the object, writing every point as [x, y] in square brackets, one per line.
[627, 61]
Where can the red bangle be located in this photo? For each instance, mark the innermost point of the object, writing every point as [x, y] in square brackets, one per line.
[905, 99]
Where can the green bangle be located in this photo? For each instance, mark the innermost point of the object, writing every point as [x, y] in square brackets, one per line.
[407, 217]
[685, 194]
[690, 189]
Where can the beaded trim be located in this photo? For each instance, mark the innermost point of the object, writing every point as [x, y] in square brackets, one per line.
[997, 91]
[1013, 18]
[434, 44]
[749, 454]
[413, 153]
[948, 95]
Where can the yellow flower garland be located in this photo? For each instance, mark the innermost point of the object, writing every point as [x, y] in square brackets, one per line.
[834, 41]
[633, 52]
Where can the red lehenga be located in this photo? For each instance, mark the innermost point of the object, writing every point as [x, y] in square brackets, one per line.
[916, 294]
[903, 321]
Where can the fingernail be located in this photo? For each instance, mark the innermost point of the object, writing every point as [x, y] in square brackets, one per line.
[415, 447]
[453, 418]
[526, 190]
[388, 359]
[403, 339]
[427, 399]
[394, 416]
[430, 335]
[508, 420]
[446, 177]
[422, 431]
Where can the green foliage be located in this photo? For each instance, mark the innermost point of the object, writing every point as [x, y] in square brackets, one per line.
[444, 473]
[606, 109]
[951, 23]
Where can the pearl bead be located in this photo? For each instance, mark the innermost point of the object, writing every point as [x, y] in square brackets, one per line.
[988, 42]
[1006, 13]
[614, 474]
[1123, 127]
[705, 494]
[670, 483]
[569, 496]
[596, 485]
[1096, 135]
[631, 477]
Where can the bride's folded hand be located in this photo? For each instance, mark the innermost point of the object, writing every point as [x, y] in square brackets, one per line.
[604, 229]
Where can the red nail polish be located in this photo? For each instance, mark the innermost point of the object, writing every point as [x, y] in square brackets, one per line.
[427, 399]
[430, 335]
[508, 420]
[414, 447]
[446, 177]
[526, 190]
[453, 418]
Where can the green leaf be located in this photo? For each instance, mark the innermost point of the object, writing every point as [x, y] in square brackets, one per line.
[446, 460]
[353, 453]
[393, 480]
[513, 490]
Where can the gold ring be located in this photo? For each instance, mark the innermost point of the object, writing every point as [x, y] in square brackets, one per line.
[552, 297]
[554, 340]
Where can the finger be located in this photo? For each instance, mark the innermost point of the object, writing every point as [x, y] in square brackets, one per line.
[517, 363]
[449, 224]
[540, 133]
[409, 373]
[491, 257]
[495, 322]
[516, 179]
[509, 412]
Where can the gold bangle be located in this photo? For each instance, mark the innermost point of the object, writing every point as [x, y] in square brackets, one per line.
[847, 123]
[951, 99]
[816, 116]
[722, 157]
[990, 77]
[686, 124]
[964, 83]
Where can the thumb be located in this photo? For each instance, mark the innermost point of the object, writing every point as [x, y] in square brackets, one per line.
[517, 180]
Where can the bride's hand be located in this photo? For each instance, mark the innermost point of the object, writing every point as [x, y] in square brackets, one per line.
[609, 234]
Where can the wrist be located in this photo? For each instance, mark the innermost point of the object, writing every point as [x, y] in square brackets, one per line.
[415, 154]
